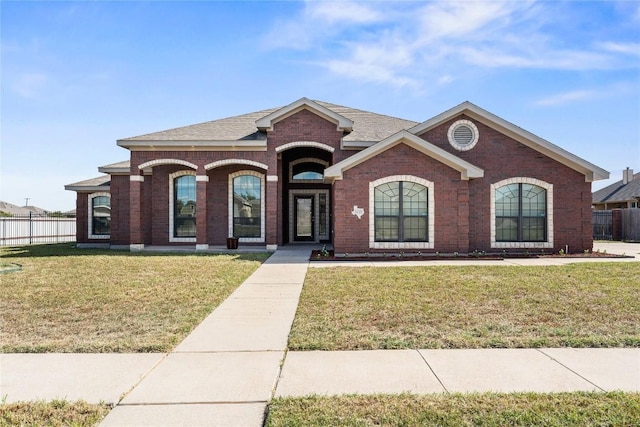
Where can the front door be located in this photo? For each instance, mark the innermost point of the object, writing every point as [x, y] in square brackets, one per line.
[304, 218]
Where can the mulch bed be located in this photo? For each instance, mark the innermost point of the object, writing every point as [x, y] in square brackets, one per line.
[318, 255]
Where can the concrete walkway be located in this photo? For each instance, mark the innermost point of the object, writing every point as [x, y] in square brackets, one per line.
[234, 362]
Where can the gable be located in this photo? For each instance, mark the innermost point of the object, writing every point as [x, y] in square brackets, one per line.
[466, 169]
[267, 122]
[590, 171]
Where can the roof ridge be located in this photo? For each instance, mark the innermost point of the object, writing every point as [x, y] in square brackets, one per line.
[329, 105]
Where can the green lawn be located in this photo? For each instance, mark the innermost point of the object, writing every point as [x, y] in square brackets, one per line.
[55, 413]
[74, 300]
[578, 305]
[487, 409]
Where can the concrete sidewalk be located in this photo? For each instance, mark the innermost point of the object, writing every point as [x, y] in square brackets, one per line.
[235, 361]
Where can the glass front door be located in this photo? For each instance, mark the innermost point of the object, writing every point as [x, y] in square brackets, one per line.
[304, 218]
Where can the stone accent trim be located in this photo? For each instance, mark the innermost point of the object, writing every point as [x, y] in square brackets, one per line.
[430, 219]
[492, 216]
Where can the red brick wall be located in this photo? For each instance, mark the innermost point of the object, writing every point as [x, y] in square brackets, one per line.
[119, 210]
[501, 157]
[451, 227]
[82, 217]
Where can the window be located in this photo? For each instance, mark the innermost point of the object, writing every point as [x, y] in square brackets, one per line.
[99, 216]
[182, 206]
[522, 213]
[402, 213]
[246, 206]
[307, 170]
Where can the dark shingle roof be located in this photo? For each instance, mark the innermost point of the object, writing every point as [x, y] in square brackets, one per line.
[367, 126]
[618, 192]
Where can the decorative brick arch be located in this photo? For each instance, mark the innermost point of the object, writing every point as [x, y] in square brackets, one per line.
[159, 162]
[227, 162]
[310, 144]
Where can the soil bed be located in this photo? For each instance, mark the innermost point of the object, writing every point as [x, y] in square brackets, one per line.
[318, 255]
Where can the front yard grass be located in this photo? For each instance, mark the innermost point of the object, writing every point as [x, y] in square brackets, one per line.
[87, 300]
[578, 305]
[54, 413]
[486, 409]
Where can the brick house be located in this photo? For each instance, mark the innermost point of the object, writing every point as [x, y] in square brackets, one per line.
[311, 171]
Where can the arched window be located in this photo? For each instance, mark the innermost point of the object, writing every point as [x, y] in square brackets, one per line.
[183, 210]
[401, 213]
[246, 206]
[99, 216]
[307, 169]
[522, 214]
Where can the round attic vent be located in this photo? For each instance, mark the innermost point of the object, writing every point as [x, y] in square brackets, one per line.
[463, 135]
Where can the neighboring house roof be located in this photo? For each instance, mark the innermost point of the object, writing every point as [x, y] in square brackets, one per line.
[100, 183]
[618, 192]
[466, 169]
[21, 210]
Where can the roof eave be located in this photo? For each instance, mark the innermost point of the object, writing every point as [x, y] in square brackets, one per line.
[233, 145]
[87, 188]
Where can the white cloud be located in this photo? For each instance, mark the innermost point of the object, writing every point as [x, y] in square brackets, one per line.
[30, 85]
[547, 59]
[403, 44]
[341, 12]
[609, 91]
[318, 21]
[567, 97]
[625, 48]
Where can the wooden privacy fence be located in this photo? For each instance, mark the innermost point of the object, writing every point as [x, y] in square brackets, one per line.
[631, 225]
[602, 225]
[31, 229]
[617, 224]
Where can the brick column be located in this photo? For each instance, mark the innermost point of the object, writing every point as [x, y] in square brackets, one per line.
[463, 220]
[202, 242]
[136, 238]
[271, 213]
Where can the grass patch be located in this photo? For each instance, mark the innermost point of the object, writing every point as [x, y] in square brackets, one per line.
[577, 305]
[54, 413]
[486, 409]
[87, 300]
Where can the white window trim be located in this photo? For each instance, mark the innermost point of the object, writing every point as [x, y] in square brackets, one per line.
[90, 216]
[306, 160]
[262, 206]
[430, 220]
[522, 245]
[172, 238]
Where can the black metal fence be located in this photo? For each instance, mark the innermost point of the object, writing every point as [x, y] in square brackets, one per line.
[602, 225]
[35, 229]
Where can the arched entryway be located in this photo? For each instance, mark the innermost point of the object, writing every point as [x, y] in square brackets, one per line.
[306, 198]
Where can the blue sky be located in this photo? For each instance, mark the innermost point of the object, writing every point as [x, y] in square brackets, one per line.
[77, 76]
